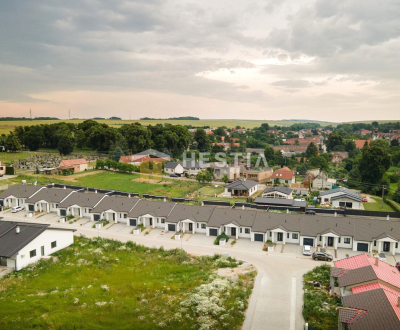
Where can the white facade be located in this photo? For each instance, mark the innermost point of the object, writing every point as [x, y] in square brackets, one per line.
[12, 201]
[344, 202]
[42, 243]
[178, 169]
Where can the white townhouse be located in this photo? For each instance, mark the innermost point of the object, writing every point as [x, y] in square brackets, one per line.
[80, 204]
[189, 218]
[150, 213]
[114, 208]
[47, 199]
[24, 243]
[17, 194]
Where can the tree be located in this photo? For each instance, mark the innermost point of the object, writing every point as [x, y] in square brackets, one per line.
[374, 162]
[100, 164]
[349, 145]
[12, 143]
[116, 153]
[334, 139]
[265, 126]
[319, 162]
[394, 143]
[382, 143]
[396, 195]
[375, 124]
[312, 150]
[225, 179]
[203, 143]
[34, 137]
[269, 153]
[65, 144]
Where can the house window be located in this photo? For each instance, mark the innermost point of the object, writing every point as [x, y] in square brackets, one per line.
[339, 240]
[203, 226]
[270, 234]
[320, 238]
[162, 220]
[247, 230]
[53, 244]
[197, 225]
[32, 253]
[374, 243]
[288, 235]
[240, 230]
[397, 245]
[295, 236]
[125, 216]
[346, 240]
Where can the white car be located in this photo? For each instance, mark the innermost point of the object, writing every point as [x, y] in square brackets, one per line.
[16, 209]
[307, 250]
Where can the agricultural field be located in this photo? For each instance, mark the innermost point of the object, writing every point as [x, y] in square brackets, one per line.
[7, 126]
[105, 284]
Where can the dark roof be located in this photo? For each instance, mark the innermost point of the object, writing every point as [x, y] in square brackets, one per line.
[50, 195]
[379, 312]
[344, 193]
[89, 199]
[115, 203]
[281, 189]
[20, 191]
[280, 202]
[192, 212]
[154, 208]
[187, 165]
[11, 242]
[172, 164]
[356, 276]
[242, 184]
[242, 218]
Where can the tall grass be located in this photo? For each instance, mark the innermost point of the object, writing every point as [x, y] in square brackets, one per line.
[105, 284]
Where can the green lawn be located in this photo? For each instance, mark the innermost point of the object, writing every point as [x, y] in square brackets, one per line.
[319, 307]
[211, 190]
[377, 206]
[104, 284]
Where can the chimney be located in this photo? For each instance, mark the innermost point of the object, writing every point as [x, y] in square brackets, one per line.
[388, 218]
[95, 191]
[376, 261]
[335, 214]
[398, 300]
[17, 229]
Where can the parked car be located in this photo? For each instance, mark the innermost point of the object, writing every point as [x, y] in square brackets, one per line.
[312, 212]
[307, 250]
[322, 256]
[365, 199]
[173, 175]
[16, 209]
[1, 175]
[304, 193]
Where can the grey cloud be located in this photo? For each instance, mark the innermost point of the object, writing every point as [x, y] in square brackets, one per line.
[292, 83]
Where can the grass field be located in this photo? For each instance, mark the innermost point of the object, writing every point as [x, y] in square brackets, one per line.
[103, 284]
[377, 206]
[211, 190]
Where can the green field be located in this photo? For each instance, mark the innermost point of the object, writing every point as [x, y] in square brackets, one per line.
[104, 284]
[377, 206]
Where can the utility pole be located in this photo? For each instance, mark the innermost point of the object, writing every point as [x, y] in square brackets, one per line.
[383, 189]
[30, 113]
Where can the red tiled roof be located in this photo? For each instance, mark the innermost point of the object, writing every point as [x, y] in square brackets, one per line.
[360, 143]
[283, 173]
[71, 162]
[134, 159]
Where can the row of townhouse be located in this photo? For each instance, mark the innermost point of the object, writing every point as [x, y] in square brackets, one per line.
[336, 232]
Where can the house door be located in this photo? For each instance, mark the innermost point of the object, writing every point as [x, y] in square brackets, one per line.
[280, 237]
[113, 216]
[151, 221]
[42, 251]
[330, 241]
[190, 226]
[386, 246]
[233, 231]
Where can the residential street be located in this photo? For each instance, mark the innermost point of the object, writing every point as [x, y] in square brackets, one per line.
[276, 302]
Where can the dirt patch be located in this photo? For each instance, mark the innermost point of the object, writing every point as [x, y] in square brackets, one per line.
[71, 178]
[233, 273]
[151, 181]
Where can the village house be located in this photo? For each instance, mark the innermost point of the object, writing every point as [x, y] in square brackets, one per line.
[338, 156]
[221, 169]
[259, 175]
[242, 187]
[80, 204]
[2, 168]
[78, 165]
[114, 208]
[321, 181]
[23, 243]
[283, 176]
[47, 200]
[341, 197]
[17, 194]
[361, 143]
[278, 192]
[150, 213]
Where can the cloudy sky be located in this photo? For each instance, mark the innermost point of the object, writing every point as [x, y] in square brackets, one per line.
[270, 59]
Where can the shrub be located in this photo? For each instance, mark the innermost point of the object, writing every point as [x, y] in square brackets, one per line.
[223, 235]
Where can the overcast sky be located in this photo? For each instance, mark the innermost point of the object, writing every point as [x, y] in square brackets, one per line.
[271, 59]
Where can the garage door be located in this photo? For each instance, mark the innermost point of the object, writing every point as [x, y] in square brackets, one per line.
[308, 241]
[96, 217]
[62, 212]
[213, 232]
[171, 227]
[32, 208]
[362, 247]
[259, 237]
[132, 222]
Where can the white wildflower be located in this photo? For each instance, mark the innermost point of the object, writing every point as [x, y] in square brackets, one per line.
[101, 303]
[105, 287]
[76, 300]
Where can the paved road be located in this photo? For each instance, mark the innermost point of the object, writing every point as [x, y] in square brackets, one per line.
[276, 302]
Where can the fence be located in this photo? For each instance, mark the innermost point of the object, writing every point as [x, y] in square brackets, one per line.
[217, 203]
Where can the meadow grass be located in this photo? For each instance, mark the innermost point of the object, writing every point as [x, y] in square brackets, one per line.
[378, 206]
[106, 284]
